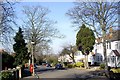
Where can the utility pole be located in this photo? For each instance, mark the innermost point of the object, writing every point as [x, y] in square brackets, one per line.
[32, 44]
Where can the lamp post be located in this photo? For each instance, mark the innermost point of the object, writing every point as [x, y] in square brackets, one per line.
[32, 45]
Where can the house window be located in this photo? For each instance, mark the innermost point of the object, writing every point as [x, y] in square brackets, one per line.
[109, 45]
[108, 59]
[113, 59]
[116, 46]
[100, 58]
[95, 50]
[118, 58]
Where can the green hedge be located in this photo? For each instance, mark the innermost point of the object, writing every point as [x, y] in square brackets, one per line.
[102, 66]
[6, 75]
[115, 70]
[70, 65]
[79, 64]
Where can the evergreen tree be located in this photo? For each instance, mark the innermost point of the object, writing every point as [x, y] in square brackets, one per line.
[20, 49]
[85, 41]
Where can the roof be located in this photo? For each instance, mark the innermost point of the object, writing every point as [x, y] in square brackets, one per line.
[116, 52]
[114, 36]
[1, 50]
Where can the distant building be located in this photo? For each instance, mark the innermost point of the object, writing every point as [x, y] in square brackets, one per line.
[79, 57]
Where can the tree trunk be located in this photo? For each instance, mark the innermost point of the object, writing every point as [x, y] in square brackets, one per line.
[104, 44]
[105, 53]
[87, 61]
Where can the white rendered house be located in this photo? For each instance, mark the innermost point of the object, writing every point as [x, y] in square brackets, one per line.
[97, 56]
[112, 44]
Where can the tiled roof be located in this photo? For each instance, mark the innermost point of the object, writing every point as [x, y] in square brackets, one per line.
[114, 36]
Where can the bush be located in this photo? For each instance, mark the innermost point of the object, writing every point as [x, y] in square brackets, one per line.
[114, 74]
[102, 66]
[115, 70]
[79, 64]
[70, 66]
[6, 75]
[65, 63]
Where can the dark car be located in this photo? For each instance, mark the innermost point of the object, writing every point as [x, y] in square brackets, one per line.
[48, 65]
[35, 66]
[58, 66]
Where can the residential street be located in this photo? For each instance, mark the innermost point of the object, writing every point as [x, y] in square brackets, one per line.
[72, 74]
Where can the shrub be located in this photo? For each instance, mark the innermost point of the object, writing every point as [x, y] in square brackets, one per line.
[115, 70]
[102, 66]
[65, 63]
[6, 75]
[70, 66]
[79, 64]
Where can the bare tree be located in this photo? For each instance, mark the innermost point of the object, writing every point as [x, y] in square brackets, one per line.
[7, 17]
[69, 50]
[98, 15]
[38, 27]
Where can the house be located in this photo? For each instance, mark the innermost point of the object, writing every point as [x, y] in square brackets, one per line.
[65, 58]
[97, 56]
[112, 47]
[114, 59]
[79, 57]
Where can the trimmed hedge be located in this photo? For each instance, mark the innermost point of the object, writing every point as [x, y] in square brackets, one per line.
[6, 75]
[70, 65]
[102, 66]
[79, 64]
[115, 70]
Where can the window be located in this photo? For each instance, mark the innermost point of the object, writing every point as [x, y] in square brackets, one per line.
[113, 59]
[101, 58]
[118, 58]
[98, 58]
[108, 59]
[116, 46]
[95, 50]
[109, 45]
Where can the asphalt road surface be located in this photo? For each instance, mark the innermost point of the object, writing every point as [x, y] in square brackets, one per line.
[48, 73]
[64, 73]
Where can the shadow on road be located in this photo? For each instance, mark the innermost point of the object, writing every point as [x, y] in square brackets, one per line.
[39, 71]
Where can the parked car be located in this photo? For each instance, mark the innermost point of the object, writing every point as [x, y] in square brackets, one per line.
[59, 66]
[35, 66]
[48, 65]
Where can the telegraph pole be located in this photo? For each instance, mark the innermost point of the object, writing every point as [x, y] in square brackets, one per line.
[32, 44]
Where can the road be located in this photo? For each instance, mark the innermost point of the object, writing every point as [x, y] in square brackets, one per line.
[65, 73]
[44, 73]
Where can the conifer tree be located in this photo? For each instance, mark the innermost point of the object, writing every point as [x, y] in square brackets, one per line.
[20, 48]
[85, 40]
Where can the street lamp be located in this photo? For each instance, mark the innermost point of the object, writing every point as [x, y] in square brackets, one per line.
[32, 45]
